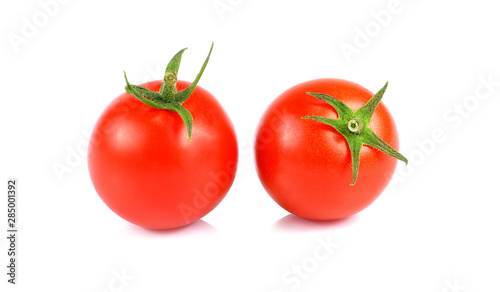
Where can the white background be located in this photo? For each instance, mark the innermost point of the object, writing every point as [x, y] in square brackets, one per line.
[435, 228]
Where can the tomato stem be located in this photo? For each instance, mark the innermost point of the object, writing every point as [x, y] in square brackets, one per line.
[170, 78]
[354, 126]
[168, 87]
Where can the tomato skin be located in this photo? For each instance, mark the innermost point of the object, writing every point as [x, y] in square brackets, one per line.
[145, 169]
[305, 166]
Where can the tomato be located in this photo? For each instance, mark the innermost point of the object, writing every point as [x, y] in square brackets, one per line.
[150, 171]
[306, 164]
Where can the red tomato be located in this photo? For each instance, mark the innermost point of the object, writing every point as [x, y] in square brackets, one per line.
[306, 165]
[146, 170]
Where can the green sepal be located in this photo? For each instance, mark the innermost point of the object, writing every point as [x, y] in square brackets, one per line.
[354, 126]
[371, 139]
[367, 110]
[337, 124]
[143, 94]
[185, 115]
[355, 147]
[175, 62]
[183, 95]
[343, 111]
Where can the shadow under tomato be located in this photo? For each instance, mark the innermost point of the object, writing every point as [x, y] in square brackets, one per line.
[196, 228]
[293, 223]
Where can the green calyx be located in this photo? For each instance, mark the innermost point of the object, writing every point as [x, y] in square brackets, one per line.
[354, 126]
[168, 98]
